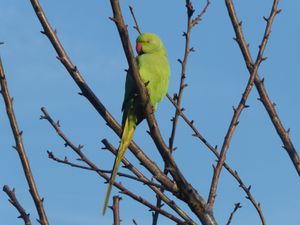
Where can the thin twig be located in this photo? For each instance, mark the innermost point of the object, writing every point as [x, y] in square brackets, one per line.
[236, 207]
[135, 21]
[214, 150]
[14, 201]
[20, 148]
[239, 109]
[187, 193]
[187, 50]
[116, 210]
[199, 17]
[259, 83]
[93, 99]
[178, 96]
[182, 85]
[75, 165]
[83, 158]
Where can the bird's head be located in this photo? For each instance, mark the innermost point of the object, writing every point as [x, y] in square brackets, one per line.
[148, 43]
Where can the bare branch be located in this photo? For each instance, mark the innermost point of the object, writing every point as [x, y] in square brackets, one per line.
[92, 98]
[135, 21]
[178, 96]
[143, 94]
[14, 201]
[187, 50]
[236, 207]
[239, 109]
[214, 150]
[264, 98]
[250, 197]
[182, 85]
[75, 165]
[20, 148]
[199, 17]
[83, 158]
[187, 192]
[116, 210]
[67, 162]
[158, 190]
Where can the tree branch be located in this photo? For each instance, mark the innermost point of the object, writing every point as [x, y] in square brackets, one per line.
[20, 148]
[199, 17]
[237, 112]
[264, 98]
[187, 192]
[187, 50]
[116, 210]
[236, 207]
[214, 150]
[157, 190]
[135, 21]
[92, 98]
[178, 96]
[83, 158]
[14, 201]
[67, 162]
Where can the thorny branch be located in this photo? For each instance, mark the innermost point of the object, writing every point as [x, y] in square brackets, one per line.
[20, 148]
[14, 201]
[259, 83]
[236, 207]
[214, 150]
[187, 192]
[83, 158]
[92, 98]
[237, 112]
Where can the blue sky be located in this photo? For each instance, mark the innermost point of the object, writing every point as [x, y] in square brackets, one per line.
[216, 76]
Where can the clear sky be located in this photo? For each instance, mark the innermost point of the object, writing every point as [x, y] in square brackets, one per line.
[216, 76]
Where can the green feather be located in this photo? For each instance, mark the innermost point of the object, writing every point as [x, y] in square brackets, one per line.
[154, 70]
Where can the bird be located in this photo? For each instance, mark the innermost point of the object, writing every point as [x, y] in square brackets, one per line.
[154, 70]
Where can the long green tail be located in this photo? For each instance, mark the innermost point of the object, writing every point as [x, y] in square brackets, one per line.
[128, 131]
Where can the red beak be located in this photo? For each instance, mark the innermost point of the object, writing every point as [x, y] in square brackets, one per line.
[138, 48]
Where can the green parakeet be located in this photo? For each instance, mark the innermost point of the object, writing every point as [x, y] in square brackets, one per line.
[154, 70]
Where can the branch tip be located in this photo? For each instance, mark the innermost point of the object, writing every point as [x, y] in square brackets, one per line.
[136, 27]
